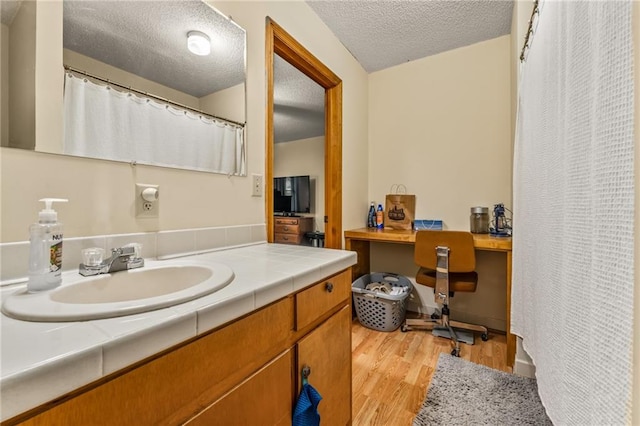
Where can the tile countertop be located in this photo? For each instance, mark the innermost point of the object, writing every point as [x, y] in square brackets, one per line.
[40, 361]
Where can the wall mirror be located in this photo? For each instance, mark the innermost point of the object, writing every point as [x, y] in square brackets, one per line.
[120, 71]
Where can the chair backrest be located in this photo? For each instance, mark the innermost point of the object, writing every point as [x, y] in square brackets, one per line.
[462, 255]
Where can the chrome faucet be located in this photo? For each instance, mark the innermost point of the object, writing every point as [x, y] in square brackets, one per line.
[121, 259]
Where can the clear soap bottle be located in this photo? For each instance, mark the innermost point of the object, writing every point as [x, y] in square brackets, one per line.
[45, 249]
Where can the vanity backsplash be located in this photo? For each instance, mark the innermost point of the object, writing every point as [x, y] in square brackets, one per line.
[14, 257]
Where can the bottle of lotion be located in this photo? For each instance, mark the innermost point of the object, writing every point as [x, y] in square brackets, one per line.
[45, 249]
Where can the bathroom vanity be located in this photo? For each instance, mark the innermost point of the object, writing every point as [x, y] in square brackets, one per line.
[245, 370]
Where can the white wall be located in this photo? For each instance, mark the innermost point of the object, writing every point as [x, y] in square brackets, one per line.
[227, 103]
[4, 85]
[441, 126]
[49, 84]
[635, 401]
[100, 69]
[101, 193]
[304, 157]
[22, 77]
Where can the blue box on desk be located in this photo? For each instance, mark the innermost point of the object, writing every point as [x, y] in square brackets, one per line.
[422, 224]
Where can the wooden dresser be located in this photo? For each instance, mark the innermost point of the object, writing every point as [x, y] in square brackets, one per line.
[291, 230]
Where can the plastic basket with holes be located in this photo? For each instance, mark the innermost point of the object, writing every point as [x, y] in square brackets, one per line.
[376, 309]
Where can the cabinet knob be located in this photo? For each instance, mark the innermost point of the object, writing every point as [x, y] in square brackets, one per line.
[329, 287]
[286, 228]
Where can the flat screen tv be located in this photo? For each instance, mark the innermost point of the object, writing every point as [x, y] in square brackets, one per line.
[291, 195]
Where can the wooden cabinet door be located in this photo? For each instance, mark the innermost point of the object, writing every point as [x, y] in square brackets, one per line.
[262, 399]
[327, 351]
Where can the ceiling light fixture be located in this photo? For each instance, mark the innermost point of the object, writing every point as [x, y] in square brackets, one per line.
[198, 43]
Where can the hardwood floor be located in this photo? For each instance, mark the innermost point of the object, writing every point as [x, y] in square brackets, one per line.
[392, 370]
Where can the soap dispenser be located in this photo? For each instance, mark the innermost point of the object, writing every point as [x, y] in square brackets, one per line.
[45, 249]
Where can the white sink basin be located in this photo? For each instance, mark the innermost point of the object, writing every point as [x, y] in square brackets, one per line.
[122, 293]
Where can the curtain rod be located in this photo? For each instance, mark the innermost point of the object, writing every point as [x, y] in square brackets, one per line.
[150, 95]
[530, 30]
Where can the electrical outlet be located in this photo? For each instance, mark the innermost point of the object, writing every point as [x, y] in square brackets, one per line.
[256, 186]
[147, 200]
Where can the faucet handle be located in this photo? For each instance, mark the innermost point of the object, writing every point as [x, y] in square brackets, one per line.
[134, 249]
[125, 251]
[92, 256]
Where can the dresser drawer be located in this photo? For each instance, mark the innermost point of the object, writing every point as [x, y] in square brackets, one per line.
[287, 221]
[321, 298]
[288, 238]
[287, 229]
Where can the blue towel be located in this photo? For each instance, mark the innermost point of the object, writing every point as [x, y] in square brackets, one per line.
[306, 412]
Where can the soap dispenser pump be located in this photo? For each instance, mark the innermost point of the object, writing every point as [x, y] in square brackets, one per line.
[45, 249]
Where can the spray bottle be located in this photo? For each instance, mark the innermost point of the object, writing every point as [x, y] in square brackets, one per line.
[45, 249]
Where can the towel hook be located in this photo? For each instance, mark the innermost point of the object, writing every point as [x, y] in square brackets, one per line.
[306, 372]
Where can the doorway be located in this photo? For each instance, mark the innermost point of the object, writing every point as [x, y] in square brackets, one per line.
[281, 43]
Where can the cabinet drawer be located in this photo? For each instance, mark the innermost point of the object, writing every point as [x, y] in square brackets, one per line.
[320, 298]
[287, 229]
[288, 238]
[288, 221]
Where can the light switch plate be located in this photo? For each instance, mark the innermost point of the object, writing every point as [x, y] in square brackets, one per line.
[256, 185]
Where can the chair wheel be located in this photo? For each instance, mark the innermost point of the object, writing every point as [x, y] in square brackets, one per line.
[484, 337]
[404, 328]
[455, 352]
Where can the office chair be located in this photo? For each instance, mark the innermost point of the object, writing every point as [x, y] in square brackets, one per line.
[447, 263]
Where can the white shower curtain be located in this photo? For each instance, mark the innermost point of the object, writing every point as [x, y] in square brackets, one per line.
[101, 122]
[574, 183]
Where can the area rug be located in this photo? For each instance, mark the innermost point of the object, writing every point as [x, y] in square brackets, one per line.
[464, 393]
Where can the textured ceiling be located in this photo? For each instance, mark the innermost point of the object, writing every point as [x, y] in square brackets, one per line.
[298, 110]
[381, 34]
[8, 10]
[149, 38]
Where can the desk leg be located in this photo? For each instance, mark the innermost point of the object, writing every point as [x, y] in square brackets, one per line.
[511, 339]
[364, 263]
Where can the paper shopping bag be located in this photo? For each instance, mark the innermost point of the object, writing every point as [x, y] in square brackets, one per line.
[400, 210]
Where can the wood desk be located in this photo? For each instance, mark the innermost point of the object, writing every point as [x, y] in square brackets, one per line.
[358, 240]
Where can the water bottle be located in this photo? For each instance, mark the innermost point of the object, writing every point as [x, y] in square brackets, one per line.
[371, 218]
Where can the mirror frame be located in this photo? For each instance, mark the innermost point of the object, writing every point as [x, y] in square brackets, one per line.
[279, 42]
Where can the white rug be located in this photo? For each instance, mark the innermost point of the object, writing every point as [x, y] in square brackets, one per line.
[464, 393]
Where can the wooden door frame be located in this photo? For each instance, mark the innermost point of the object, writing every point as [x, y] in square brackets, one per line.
[279, 42]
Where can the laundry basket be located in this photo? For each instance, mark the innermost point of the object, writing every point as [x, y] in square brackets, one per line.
[377, 310]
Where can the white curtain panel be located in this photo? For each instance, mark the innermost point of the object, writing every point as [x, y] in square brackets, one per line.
[101, 122]
[573, 237]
